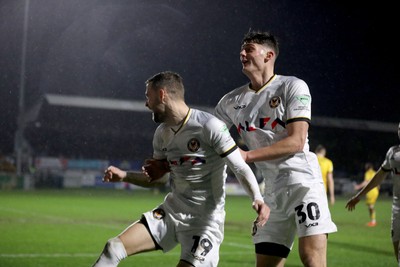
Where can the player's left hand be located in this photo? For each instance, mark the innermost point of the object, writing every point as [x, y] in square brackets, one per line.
[351, 204]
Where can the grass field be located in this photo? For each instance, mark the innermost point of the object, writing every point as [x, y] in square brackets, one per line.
[68, 228]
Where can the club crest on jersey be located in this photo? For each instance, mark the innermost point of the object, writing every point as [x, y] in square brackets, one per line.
[158, 214]
[275, 101]
[193, 145]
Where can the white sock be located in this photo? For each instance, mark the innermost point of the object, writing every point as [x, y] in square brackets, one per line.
[113, 253]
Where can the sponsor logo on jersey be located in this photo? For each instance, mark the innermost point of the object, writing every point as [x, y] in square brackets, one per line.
[274, 102]
[240, 106]
[264, 123]
[158, 214]
[188, 159]
[311, 225]
[304, 99]
[224, 129]
[193, 145]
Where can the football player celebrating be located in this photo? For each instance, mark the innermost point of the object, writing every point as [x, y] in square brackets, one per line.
[272, 115]
[193, 148]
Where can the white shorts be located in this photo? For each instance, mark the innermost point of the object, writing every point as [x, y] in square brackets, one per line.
[300, 209]
[200, 237]
[395, 222]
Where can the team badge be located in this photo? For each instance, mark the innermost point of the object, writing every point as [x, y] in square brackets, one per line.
[274, 102]
[158, 214]
[193, 145]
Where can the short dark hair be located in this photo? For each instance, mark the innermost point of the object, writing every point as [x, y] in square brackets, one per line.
[262, 38]
[369, 165]
[319, 148]
[169, 80]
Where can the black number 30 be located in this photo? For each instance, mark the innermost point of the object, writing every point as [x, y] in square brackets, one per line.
[311, 211]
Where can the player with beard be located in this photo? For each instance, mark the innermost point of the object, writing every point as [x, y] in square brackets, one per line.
[191, 149]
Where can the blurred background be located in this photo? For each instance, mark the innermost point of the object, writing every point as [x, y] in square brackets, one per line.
[72, 76]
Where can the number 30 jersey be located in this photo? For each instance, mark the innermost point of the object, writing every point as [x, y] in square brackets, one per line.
[260, 118]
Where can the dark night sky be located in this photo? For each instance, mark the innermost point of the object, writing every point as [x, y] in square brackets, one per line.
[108, 48]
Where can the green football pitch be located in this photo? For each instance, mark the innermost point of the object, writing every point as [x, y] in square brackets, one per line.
[68, 228]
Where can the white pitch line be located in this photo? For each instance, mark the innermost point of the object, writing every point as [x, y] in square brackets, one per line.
[58, 218]
[62, 255]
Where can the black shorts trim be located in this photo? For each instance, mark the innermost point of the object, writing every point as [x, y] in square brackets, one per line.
[187, 262]
[272, 249]
[144, 222]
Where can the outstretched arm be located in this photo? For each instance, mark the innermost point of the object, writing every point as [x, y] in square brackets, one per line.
[361, 185]
[378, 178]
[114, 174]
[248, 180]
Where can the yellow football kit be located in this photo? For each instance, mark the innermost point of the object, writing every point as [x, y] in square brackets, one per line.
[326, 166]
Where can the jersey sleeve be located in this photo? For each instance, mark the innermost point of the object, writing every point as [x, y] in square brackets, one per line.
[298, 101]
[220, 113]
[219, 137]
[244, 174]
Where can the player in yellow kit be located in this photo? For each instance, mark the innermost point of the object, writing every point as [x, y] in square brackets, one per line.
[326, 166]
[372, 195]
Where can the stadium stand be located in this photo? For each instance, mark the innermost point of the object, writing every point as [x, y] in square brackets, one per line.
[90, 128]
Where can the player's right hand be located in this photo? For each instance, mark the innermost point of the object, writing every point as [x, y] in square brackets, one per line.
[155, 169]
[263, 212]
[113, 174]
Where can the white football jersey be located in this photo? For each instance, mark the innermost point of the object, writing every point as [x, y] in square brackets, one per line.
[392, 163]
[195, 153]
[260, 118]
